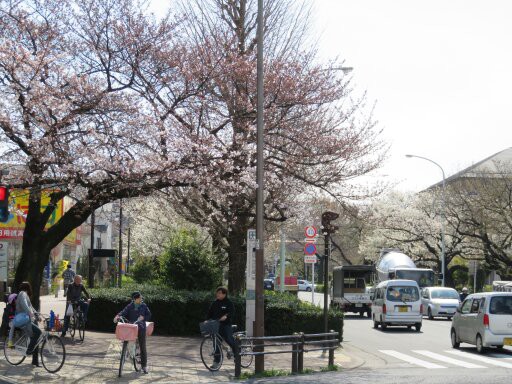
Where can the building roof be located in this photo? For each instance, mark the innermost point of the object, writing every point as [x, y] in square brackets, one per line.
[492, 166]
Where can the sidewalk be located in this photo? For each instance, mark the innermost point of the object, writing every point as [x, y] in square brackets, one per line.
[170, 360]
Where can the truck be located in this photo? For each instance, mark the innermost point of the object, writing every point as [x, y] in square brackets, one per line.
[394, 264]
[351, 288]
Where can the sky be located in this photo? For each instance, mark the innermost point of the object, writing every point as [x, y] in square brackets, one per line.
[440, 72]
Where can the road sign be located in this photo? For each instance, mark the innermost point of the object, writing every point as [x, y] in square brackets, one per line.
[472, 266]
[309, 249]
[310, 240]
[310, 231]
[310, 259]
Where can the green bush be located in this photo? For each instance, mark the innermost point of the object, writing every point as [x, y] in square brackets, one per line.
[188, 263]
[180, 312]
[144, 270]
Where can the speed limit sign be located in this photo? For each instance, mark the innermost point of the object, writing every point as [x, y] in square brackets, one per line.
[310, 231]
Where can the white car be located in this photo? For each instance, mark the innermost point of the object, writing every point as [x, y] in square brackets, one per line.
[305, 285]
[439, 302]
[397, 302]
[484, 320]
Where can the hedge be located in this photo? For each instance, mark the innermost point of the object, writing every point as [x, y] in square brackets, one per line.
[179, 313]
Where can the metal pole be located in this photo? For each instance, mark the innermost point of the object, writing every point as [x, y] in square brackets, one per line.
[283, 259]
[128, 251]
[90, 279]
[120, 263]
[443, 216]
[474, 276]
[313, 283]
[326, 282]
[259, 323]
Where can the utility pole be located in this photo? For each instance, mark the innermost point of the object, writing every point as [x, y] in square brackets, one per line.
[327, 230]
[120, 265]
[90, 279]
[260, 240]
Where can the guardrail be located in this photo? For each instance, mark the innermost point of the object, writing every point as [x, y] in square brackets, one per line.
[300, 343]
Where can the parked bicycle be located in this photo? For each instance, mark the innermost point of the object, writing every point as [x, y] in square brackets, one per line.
[52, 350]
[131, 348]
[77, 321]
[213, 346]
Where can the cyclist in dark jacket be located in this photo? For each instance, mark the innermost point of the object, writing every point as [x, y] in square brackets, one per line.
[74, 293]
[138, 311]
[223, 310]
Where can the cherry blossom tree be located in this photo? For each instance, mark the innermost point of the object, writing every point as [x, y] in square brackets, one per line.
[73, 120]
[318, 133]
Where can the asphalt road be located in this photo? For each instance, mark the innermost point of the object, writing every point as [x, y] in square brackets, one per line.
[399, 355]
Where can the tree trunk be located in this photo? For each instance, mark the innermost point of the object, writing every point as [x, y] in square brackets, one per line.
[34, 257]
[237, 255]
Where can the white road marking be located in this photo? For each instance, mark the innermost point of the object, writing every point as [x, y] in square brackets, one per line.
[446, 359]
[411, 360]
[483, 359]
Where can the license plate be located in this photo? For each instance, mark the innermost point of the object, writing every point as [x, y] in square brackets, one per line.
[507, 341]
[402, 309]
[359, 305]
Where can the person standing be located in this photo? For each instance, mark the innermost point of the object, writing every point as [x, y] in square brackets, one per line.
[223, 310]
[463, 294]
[138, 311]
[74, 294]
[68, 275]
[23, 305]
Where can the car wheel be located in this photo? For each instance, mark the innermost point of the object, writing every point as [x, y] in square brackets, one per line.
[409, 327]
[418, 327]
[308, 289]
[375, 323]
[430, 317]
[383, 325]
[499, 347]
[455, 342]
[479, 344]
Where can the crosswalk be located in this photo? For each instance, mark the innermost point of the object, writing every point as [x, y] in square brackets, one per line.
[451, 358]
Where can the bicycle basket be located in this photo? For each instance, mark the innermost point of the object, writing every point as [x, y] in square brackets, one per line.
[209, 327]
[127, 332]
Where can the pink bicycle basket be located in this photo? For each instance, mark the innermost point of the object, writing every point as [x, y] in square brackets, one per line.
[127, 332]
[150, 327]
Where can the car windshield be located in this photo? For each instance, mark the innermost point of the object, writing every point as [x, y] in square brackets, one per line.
[444, 294]
[403, 293]
[501, 305]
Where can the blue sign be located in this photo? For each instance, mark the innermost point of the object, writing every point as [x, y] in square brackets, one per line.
[310, 249]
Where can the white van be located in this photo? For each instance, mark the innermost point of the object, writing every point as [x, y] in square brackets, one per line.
[397, 302]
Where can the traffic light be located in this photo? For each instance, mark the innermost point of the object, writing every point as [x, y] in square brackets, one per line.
[4, 204]
[327, 217]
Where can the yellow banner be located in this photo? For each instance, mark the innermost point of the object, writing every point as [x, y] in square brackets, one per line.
[18, 203]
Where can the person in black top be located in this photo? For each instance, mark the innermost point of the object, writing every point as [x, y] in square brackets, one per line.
[223, 310]
[463, 294]
[74, 293]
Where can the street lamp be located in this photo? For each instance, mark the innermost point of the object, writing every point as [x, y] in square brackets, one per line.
[443, 214]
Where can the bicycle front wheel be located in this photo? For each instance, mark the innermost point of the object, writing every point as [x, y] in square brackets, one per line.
[246, 360]
[53, 354]
[124, 352]
[137, 364]
[16, 355]
[81, 327]
[211, 353]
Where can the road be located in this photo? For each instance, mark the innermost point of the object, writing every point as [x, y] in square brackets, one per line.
[399, 355]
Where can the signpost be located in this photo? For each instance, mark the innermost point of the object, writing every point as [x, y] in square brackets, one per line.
[472, 269]
[310, 255]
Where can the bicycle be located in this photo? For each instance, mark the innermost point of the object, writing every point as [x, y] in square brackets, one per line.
[213, 345]
[52, 350]
[77, 320]
[131, 348]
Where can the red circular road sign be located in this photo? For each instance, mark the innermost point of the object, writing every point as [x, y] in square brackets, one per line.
[310, 249]
[310, 231]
